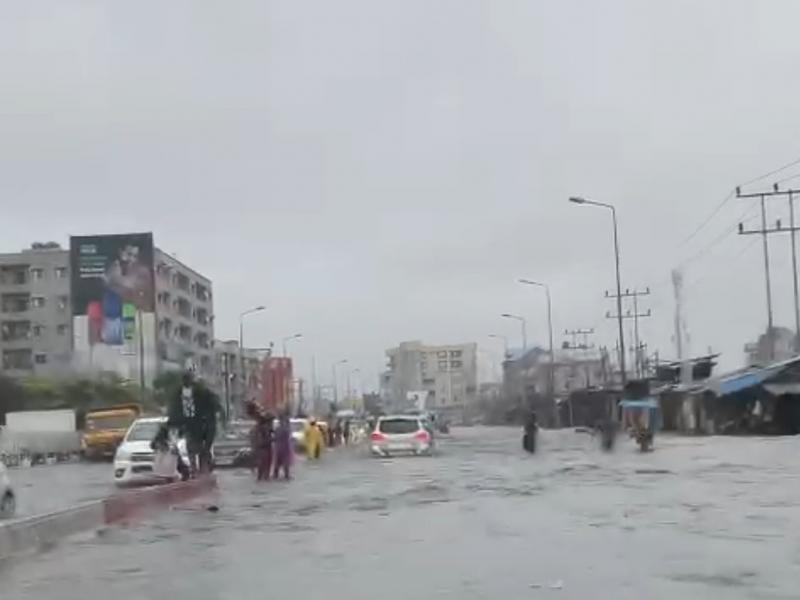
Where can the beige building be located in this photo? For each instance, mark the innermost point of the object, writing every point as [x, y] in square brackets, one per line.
[443, 378]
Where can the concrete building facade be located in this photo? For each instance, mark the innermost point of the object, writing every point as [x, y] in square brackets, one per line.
[526, 379]
[445, 375]
[184, 317]
[36, 320]
[35, 314]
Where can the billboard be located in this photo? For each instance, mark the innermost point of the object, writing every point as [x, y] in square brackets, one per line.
[112, 281]
[113, 301]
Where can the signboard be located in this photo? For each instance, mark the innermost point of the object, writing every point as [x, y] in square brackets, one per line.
[112, 281]
[112, 284]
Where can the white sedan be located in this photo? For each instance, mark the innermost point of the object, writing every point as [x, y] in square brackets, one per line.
[8, 500]
[134, 461]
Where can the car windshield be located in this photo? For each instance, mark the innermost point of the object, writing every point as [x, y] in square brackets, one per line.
[298, 426]
[143, 431]
[398, 426]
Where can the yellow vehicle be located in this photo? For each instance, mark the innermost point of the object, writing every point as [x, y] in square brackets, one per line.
[105, 428]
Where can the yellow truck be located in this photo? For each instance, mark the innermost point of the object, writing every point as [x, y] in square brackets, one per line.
[105, 428]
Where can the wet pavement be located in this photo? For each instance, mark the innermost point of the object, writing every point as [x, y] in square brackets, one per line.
[45, 488]
[697, 518]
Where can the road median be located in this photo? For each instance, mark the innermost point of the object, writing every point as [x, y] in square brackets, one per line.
[29, 534]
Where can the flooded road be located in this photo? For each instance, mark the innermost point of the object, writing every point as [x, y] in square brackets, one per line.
[699, 517]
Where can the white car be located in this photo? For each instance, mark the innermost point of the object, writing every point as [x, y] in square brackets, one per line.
[134, 459]
[401, 434]
[8, 500]
[299, 433]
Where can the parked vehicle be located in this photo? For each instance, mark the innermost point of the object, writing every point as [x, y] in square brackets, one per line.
[8, 499]
[40, 434]
[232, 448]
[106, 428]
[134, 458]
[401, 434]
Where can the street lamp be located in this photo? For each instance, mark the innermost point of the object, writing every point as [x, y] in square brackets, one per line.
[523, 323]
[579, 200]
[296, 336]
[498, 336]
[349, 388]
[241, 349]
[335, 384]
[551, 382]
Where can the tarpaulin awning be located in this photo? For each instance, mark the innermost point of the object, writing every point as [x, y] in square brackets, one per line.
[642, 403]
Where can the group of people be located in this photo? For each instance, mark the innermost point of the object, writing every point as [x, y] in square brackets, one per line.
[271, 445]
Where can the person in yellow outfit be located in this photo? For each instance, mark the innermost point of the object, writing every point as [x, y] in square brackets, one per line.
[313, 439]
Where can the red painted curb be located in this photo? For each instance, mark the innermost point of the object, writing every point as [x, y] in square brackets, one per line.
[127, 505]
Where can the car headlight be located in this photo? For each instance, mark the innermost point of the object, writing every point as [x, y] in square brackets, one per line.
[122, 455]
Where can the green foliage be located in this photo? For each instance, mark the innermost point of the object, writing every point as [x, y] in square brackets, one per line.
[166, 386]
[81, 394]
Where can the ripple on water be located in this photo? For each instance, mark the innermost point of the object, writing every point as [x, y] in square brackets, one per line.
[727, 580]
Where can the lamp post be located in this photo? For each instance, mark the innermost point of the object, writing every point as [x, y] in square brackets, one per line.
[296, 336]
[551, 378]
[579, 200]
[498, 336]
[349, 388]
[523, 324]
[242, 376]
[335, 383]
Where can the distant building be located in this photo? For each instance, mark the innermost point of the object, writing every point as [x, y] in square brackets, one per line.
[447, 374]
[237, 376]
[57, 316]
[35, 315]
[783, 345]
[526, 379]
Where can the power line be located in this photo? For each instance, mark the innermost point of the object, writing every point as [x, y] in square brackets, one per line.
[732, 228]
[732, 194]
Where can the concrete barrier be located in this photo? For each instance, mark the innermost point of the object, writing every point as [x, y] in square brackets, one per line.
[33, 533]
[132, 504]
[29, 534]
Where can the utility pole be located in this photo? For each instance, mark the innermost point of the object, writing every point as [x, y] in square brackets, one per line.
[765, 232]
[584, 346]
[635, 315]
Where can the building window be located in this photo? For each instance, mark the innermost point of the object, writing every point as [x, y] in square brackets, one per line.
[37, 274]
[62, 329]
[443, 365]
[61, 272]
[41, 359]
[37, 301]
[456, 364]
[63, 301]
[37, 330]
[455, 353]
[442, 354]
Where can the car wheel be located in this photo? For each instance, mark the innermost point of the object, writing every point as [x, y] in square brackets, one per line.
[8, 506]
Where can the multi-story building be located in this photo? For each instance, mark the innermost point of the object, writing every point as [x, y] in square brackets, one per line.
[184, 316]
[446, 375]
[35, 315]
[237, 377]
[526, 378]
[37, 324]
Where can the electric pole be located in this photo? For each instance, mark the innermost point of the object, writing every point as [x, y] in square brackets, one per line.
[583, 346]
[635, 315]
[765, 232]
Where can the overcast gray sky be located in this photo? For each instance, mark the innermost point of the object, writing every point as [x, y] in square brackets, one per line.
[381, 171]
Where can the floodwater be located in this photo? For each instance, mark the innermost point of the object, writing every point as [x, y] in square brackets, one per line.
[697, 518]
